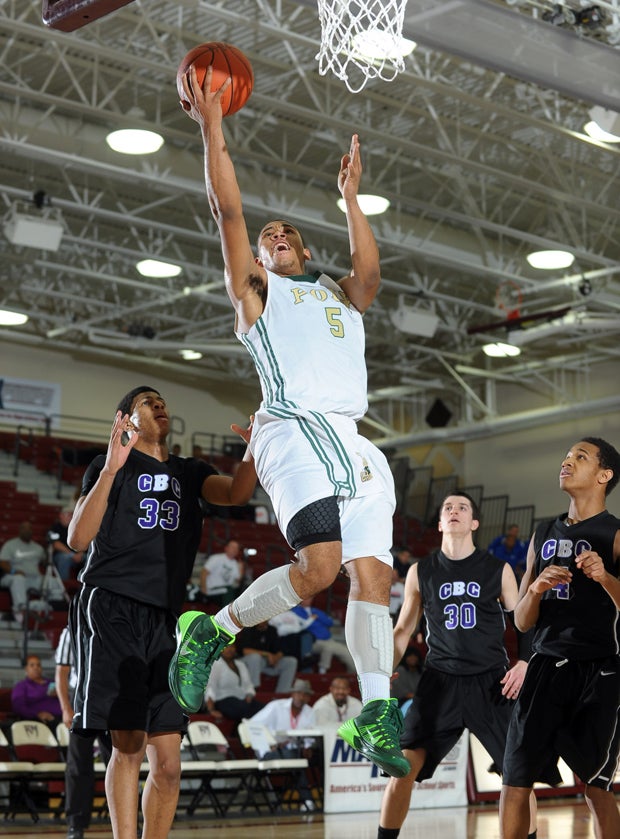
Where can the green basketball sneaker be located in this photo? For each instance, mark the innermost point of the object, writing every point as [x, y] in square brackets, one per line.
[375, 733]
[199, 642]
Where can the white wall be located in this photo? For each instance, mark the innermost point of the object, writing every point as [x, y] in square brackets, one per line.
[92, 390]
[526, 464]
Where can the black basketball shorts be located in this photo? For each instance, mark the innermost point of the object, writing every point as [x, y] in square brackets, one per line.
[123, 649]
[570, 709]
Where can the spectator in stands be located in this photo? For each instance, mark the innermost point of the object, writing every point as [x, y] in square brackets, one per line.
[282, 715]
[176, 450]
[230, 692]
[80, 767]
[20, 561]
[511, 549]
[294, 637]
[260, 648]
[319, 624]
[197, 451]
[397, 594]
[222, 574]
[408, 675]
[338, 705]
[403, 560]
[34, 698]
[67, 562]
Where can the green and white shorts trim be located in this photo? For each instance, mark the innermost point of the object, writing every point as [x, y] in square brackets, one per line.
[304, 456]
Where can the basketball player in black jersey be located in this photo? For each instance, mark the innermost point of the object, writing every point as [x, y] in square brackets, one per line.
[466, 683]
[570, 593]
[140, 518]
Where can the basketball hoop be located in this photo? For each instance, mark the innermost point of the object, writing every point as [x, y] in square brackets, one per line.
[508, 299]
[362, 40]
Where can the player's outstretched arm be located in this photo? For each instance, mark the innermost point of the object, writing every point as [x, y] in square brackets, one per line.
[362, 284]
[226, 491]
[409, 615]
[533, 587]
[90, 509]
[222, 188]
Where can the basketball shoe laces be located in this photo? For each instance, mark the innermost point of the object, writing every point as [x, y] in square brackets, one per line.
[385, 729]
[192, 661]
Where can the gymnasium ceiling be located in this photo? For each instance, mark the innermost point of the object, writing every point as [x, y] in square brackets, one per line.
[478, 145]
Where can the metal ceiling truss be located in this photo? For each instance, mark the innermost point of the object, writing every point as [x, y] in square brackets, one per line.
[480, 168]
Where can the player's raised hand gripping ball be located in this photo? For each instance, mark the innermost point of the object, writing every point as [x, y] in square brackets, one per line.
[227, 61]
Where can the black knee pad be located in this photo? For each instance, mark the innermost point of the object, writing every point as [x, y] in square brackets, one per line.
[319, 521]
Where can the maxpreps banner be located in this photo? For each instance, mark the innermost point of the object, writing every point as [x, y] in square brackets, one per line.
[354, 784]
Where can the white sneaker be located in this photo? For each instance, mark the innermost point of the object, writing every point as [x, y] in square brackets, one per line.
[308, 804]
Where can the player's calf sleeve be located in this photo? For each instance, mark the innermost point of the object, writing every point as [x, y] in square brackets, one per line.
[369, 635]
[271, 594]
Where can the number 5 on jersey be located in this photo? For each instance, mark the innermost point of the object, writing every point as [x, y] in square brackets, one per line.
[336, 326]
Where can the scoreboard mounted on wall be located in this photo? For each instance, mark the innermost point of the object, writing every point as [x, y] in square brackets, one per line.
[68, 15]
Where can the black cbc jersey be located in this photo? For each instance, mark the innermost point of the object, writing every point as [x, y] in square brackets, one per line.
[578, 620]
[147, 542]
[464, 618]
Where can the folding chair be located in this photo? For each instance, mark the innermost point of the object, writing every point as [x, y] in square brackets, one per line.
[281, 776]
[222, 777]
[14, 777]
[62, 738]
[34, 741]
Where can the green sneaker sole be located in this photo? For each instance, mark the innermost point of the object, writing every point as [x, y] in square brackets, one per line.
[392, 762]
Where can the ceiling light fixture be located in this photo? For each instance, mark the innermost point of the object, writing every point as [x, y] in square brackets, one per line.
[134, 141]
[191, 355]
[603, 126]
[550, 260]
[500, 350]
[9, 318]
[370, 205]
[157, 269]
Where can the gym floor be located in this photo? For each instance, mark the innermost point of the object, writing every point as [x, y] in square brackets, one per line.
[557, 819]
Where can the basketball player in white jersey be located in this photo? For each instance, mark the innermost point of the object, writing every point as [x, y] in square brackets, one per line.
[332, 490]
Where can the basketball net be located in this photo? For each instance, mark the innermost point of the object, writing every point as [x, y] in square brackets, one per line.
[361, 40]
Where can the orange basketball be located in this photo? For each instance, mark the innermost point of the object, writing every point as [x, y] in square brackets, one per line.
[227, 61]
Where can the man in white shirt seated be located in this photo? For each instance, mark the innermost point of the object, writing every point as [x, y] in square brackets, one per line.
[336, 706]
[283, 715]
[222, 573]
[230, 692]
[20, 560]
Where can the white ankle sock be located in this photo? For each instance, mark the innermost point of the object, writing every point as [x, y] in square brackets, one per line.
[224, 619]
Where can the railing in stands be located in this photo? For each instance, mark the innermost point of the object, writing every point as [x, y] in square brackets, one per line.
[69, 432]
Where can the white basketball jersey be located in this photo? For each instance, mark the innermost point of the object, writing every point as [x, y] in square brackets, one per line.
[308, 348]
